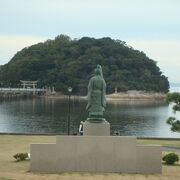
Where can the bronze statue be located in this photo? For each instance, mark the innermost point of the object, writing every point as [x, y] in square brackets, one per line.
[96, 96]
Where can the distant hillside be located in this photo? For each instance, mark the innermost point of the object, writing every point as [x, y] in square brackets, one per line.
[64, 62]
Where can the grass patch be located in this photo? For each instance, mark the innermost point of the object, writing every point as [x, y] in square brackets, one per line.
[12, 144]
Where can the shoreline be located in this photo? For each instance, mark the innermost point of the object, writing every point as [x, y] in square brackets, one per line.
[136, 95]
[125, 96]
[115, 97]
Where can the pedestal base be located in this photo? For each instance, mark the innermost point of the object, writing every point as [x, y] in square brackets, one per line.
[96, 129]
[96, 154]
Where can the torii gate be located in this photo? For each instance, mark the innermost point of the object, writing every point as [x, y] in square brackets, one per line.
[26, 84]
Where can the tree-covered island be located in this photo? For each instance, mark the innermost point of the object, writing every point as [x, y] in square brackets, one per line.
[65, 62]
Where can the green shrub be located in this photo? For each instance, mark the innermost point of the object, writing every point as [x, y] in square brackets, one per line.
[21, 156]
[170, 158]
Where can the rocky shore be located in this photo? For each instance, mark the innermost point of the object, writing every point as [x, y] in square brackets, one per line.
[136, 95]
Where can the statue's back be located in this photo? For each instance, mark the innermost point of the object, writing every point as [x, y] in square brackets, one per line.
[96, 96]
[97, 83]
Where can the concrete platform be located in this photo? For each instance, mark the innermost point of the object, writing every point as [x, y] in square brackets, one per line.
[95, 154]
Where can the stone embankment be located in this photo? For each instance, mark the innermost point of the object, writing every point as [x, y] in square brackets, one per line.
[137, 95]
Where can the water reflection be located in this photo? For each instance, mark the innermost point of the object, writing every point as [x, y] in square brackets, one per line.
[139, 118]
[43, 115]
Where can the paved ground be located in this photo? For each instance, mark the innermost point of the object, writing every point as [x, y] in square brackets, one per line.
[171, 148]
[168, 173]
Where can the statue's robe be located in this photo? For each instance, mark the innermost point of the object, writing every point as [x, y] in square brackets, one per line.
[96, 97]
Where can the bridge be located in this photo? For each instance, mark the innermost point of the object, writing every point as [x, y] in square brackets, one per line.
[21, 91]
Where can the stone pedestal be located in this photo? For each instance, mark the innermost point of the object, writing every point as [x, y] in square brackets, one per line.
[96, 154]
[96, 129]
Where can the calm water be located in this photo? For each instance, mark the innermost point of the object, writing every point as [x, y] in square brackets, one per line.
[42, 115]
[175, 89]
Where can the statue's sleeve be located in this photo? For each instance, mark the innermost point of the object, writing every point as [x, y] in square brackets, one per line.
[90, 88]
[104, 94]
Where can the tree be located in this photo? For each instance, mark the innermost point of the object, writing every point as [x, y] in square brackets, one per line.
[174, 98]
[65, 62]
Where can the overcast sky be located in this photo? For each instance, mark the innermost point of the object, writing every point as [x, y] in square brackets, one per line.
[152, 26]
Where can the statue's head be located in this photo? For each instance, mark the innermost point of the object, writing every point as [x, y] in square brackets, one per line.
[98, 70]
